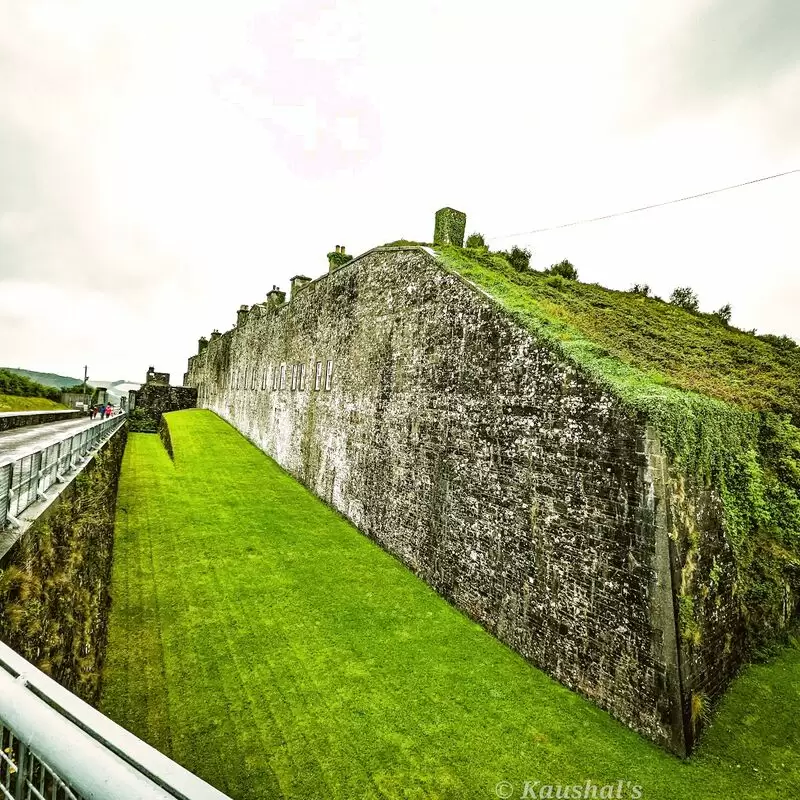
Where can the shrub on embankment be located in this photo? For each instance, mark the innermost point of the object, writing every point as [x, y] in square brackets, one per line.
[54, 582]
[725, 404]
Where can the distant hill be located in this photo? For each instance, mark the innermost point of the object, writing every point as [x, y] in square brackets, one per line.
[116, 389]
[45, 378]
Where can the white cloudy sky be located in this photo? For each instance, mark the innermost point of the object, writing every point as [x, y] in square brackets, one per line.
[163, 162]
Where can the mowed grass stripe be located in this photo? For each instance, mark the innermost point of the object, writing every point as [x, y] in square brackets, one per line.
[302, 661]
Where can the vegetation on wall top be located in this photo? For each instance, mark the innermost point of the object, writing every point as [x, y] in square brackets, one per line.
[337, 258]
[726, 405]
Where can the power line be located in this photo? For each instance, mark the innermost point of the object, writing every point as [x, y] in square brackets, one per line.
[646, 208]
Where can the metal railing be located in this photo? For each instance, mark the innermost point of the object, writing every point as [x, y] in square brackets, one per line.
[24, 481]
[53, 746]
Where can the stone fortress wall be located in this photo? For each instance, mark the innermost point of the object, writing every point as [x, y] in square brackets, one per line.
[516, 487]
[155, 398]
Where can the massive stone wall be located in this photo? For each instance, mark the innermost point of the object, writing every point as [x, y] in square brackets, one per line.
[517, 488]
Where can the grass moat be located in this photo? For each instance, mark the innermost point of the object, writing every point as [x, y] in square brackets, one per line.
[261, 641]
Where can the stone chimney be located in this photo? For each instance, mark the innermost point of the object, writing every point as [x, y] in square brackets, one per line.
[450, 227]
[298, 282]
[241, 315]
[215, 334]
[202, 343]
[337, 258]
[275, 297]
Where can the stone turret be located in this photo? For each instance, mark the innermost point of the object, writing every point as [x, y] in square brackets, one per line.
[450, 227]
[241, 315]
[157, 378]
[202, 343]
[275, 297]
[298, 282]
[215, 334]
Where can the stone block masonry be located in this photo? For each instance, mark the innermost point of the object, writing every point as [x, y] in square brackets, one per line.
[55, 580]
[516, 487]
[156, 397]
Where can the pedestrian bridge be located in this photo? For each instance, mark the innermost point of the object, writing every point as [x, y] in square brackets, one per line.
[54, 745]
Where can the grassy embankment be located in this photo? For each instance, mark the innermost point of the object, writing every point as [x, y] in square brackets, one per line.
[261, 641]
[20, 393]
[11, 402]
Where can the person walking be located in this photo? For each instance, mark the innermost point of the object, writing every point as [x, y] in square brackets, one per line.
[101, 410]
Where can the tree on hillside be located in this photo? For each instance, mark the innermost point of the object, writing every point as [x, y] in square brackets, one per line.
[685, 297]
[781, 342]
[565, 269]
[641, 288]
[724, 314]
[518, 257]
[476, 240]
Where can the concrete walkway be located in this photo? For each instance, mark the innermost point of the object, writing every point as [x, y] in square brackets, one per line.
[19, 443]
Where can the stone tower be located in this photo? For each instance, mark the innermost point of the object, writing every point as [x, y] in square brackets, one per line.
[450, 227]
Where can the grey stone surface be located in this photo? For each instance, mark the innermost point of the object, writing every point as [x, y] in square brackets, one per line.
[516, 487]
[10, 420]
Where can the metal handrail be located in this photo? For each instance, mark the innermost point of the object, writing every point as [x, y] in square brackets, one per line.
[24, 481]
[53, 745]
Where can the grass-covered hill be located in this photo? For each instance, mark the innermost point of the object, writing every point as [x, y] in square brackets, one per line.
[12, 402]
[44, 378]
[14, 384]
[726, 404]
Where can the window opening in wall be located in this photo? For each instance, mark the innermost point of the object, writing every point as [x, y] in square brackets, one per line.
[275, 378]
[318, 376]
[301, 377]
[328, 376]
[283, 377]
[254, 379]
[294, 376]
[264, 379]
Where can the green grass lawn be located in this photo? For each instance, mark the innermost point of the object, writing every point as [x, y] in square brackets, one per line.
[261, 641]
[11, 402]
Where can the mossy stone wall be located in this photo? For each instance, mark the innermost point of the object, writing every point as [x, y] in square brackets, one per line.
[519, 488]
[55, 581]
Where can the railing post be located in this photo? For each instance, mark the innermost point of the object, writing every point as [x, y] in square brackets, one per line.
[5, 495]
[22, 768]
[37, 461]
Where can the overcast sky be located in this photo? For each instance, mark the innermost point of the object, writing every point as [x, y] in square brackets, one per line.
[162, 163]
